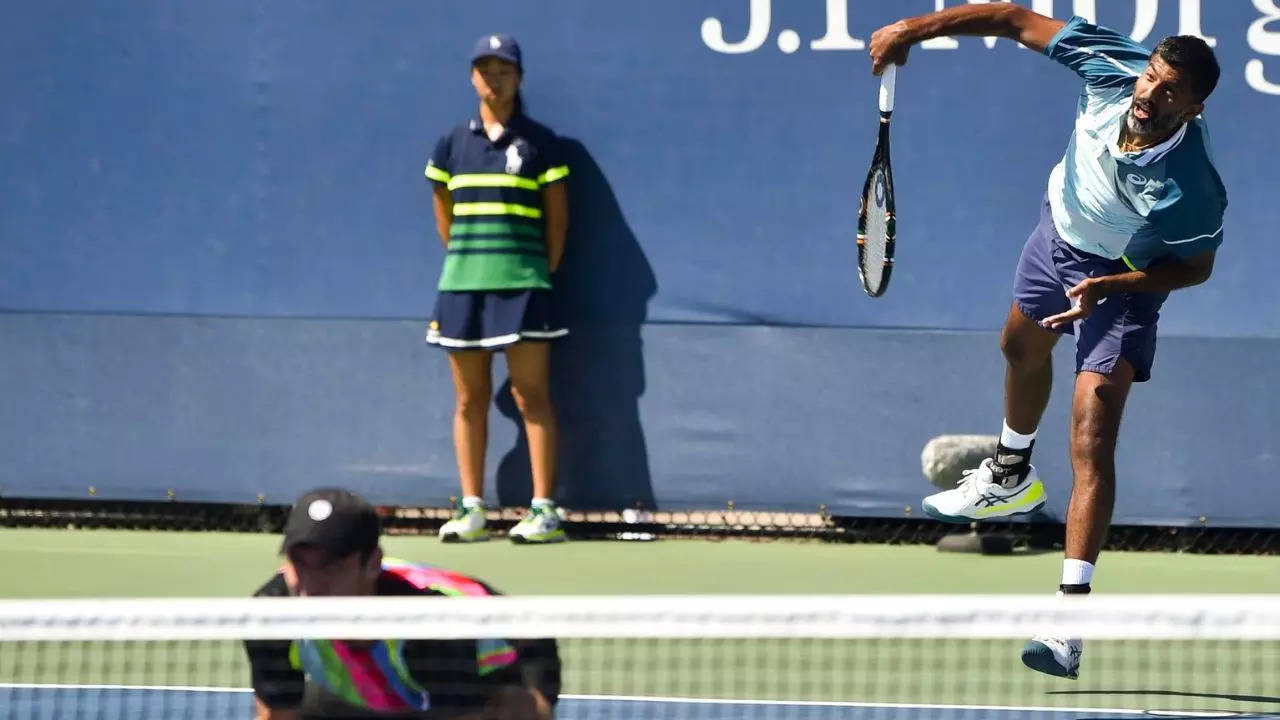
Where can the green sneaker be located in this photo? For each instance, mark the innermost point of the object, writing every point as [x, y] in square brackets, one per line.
[541, 525]
[466, 525]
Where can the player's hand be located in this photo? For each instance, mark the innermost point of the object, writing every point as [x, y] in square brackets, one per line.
[1087, 294]
[889, 46]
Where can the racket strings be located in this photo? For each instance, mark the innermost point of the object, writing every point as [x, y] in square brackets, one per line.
[875, 240]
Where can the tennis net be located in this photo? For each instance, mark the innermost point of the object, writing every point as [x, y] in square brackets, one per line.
[759, 657]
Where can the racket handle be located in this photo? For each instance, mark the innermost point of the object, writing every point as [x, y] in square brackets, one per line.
[886, 87]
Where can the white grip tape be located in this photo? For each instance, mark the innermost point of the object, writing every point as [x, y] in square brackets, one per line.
[886, 87]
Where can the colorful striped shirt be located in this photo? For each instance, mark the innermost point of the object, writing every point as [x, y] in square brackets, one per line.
[386, 675]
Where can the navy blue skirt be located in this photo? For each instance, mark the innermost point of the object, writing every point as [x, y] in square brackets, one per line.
[491, 319]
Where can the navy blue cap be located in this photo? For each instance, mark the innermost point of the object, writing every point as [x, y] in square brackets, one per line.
[499, 46]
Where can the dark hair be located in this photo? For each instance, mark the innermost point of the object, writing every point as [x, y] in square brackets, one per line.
[1193, 57]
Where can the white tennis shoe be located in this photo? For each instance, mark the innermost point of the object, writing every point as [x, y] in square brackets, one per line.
[1055, 656]
[979, 497]
[467, 525]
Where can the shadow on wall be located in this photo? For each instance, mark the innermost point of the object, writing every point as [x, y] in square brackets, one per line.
[602, 290]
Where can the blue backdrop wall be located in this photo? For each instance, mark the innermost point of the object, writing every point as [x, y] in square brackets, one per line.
[216, 252]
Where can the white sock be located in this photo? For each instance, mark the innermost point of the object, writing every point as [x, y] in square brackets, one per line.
[542, 502]
[472, 501]
[1076, 572]
[1015, 440]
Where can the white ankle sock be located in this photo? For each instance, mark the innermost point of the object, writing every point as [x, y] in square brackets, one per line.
[1076, 572]
[1015, 440]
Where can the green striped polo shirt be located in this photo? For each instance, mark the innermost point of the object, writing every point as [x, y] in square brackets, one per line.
[496, 240]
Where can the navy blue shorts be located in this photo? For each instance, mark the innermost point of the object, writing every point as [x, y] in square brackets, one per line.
[492, 319]
[1121, 326]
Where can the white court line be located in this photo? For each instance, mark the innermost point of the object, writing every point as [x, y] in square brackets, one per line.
[723, 701]
[100, 551]
[643, 698]
[174, 688]
[833, 703]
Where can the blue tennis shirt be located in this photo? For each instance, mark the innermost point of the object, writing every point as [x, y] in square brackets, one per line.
[1139, 206]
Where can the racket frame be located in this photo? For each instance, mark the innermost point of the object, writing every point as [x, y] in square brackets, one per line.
[880, 161]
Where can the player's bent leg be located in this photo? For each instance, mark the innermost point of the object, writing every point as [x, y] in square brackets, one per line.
[1028, 379]
[986, 492]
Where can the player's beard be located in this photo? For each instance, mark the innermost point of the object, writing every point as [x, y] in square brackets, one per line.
[1154, 124]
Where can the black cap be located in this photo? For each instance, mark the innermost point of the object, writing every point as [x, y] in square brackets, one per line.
[335, 520]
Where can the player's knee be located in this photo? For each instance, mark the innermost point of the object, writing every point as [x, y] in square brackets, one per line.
[1093, 445]
[1020, 352]
[1087, 446]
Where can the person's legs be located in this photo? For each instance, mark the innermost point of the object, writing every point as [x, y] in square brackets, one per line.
[1039, 291]
[529, 366]
[1005, 484]
[1096, 410]
[1028, 382]
[1028, 375]
[472, 386]
[1115, 347]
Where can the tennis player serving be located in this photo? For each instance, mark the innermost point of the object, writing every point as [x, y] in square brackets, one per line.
[1133, 211]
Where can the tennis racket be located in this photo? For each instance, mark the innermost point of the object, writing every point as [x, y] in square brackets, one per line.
[876, 224]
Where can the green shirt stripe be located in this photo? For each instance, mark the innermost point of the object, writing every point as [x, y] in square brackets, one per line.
[490, 228]
[496, 208]
[495, 244]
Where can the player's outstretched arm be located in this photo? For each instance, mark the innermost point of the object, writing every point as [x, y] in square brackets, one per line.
[890, 44]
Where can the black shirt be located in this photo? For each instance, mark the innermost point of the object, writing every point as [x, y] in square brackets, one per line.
[446, 669]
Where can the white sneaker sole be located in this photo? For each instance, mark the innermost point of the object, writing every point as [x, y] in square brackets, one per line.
[556, 536]
[477, 536]
[1040, 657]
